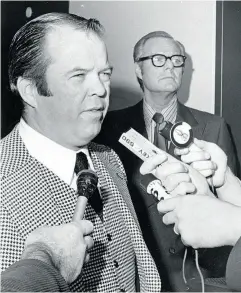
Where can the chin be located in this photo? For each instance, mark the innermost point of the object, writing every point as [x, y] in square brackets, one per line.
[85, 135]
[92, 133]
[169, 88]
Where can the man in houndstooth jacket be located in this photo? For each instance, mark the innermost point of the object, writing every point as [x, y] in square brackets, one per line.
[59, 67]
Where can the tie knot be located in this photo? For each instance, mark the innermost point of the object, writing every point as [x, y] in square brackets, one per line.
[81, 162]
[158, 118]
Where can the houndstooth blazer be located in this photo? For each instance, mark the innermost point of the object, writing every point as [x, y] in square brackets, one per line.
[32, 197]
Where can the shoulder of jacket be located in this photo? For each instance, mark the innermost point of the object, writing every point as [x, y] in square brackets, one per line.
[13, 152]
[125, 112]
[206, 116]
[110, 155]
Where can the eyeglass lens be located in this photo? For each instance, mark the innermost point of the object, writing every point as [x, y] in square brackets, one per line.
[160, 60]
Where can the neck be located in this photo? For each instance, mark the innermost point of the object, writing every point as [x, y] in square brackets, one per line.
[50, 133]
[159, 101]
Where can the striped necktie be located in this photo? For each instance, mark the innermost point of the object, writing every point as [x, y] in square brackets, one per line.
[159, 140]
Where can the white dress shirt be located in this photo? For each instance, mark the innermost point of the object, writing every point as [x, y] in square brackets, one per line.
[58, 159]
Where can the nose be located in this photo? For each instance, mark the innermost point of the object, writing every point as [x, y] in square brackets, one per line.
[98, 87]
[169, 64]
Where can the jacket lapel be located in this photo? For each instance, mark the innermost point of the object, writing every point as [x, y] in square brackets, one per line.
[137, 120]
[185, 114]
[102, 159]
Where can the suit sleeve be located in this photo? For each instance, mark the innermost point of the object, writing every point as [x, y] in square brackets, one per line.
[12, 243]
[32, 275]
[226, 143]
[233, 270]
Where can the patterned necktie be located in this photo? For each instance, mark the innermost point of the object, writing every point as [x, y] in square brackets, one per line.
[159, 140]
[82, 163]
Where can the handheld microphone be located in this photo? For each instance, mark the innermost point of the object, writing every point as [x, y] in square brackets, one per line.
[180, 133]
[87, 181]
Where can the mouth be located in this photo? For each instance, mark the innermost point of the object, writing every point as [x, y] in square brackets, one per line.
[94, 113]
[167, 77]
[95, 109]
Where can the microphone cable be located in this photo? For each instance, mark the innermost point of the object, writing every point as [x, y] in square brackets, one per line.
[198, 269]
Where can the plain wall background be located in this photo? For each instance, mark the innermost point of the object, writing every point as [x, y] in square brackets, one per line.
[191, 22]
[228, 85]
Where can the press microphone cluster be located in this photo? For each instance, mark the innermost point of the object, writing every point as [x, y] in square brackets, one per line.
[180, 134]
[87, 181]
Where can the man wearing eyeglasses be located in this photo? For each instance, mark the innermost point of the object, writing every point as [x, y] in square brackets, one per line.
[159, 63]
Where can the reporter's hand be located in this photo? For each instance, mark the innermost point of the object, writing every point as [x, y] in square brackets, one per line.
[173, 176]
[209, 159]
[231, 190]
[206, 157]
[177, 177]
[66, 247]
[202, 221]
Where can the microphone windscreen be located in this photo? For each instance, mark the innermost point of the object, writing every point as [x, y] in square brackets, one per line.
[87, 181]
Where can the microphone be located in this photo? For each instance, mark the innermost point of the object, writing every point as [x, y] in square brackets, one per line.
[87, 181]
[180, 134]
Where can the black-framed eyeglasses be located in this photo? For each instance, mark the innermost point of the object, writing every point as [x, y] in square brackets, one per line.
[159, 60]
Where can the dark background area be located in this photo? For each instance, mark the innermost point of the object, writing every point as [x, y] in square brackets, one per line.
[13, 16]
[228, 59]
[228, 67]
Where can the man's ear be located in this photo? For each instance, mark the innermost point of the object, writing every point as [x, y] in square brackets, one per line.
[138, 70]
[27, 91]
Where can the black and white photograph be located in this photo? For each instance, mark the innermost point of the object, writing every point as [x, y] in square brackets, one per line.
[120, 146]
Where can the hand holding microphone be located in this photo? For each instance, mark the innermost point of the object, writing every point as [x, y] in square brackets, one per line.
[206, 157]
[203, 156]
[66, 246]
[176, 177]
[87, 181]
[202, 221]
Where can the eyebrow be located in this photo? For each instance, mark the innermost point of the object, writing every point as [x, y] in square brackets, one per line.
[107, 68]
[76, 69]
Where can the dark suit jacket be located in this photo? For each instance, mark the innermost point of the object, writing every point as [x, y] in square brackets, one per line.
[31, 275]
[233, 271]
[164, 245]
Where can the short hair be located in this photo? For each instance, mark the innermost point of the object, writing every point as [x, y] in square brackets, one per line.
[137, 52]
[27, 57]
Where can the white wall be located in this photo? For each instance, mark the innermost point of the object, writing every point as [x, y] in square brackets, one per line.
[191, 22]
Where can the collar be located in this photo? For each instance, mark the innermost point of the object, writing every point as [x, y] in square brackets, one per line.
[58, 159]
[169, 112]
